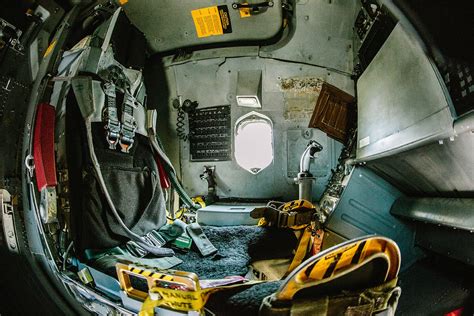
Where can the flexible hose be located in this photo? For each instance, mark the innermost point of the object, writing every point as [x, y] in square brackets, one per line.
[181, 125]
[181, 192]
[160, 252]
[66, 254]
[156, 142]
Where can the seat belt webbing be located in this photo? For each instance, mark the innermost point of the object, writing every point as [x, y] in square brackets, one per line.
[110, 116]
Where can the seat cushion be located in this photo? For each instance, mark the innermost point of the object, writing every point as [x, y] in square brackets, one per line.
[246, 302]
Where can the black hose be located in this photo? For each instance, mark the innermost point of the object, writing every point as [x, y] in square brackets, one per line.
[181, 125]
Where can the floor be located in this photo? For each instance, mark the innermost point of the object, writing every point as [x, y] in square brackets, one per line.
[436, 286]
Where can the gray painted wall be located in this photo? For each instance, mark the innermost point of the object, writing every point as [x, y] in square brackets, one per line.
[213, 82]
[318, 48]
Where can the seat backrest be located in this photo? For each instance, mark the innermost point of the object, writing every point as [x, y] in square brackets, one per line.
[115, 181]
[357, 277]
[355, 264]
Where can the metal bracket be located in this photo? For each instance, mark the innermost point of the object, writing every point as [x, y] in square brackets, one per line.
[7, 86]
[8, 221]
[48, 205]
[254, 7]
[30, 165]
[209, 175]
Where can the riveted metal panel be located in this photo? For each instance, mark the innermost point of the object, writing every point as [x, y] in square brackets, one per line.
[364, 209]
[322, 34]
[214, 81]
[401, 100]
[453, 243]
[442, 168]
[169, 25]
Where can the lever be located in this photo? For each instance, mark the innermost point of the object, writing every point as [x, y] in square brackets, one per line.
[305, 178]
[208, 175]
[254, 7]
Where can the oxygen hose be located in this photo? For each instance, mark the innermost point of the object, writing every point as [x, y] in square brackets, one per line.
[159, 252]
[172, 175]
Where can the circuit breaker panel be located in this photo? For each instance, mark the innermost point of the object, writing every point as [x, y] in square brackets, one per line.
[210, 134]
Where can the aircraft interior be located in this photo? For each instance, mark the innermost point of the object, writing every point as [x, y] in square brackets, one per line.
[306, 157]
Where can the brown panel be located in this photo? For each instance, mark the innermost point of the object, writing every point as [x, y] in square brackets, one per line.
[333, 113]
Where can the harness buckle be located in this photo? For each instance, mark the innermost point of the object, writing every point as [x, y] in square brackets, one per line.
[111, 117]
[129, 125]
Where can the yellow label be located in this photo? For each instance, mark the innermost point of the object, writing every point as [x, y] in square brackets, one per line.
[122, 2]
[207, 22]
[244, 12]
[50, 48]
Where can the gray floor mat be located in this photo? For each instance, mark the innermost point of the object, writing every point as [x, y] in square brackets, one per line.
[238, 246]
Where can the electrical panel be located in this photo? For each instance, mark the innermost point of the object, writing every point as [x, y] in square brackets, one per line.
[210, 134]
[372, 26]
[458, 77]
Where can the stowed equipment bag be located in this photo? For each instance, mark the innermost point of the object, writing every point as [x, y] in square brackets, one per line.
[133, 184]
[113, 133]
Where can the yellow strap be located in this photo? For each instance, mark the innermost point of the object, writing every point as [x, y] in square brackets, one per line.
[148, 307]
[183, 301]
[178, 300]
[302, 249]
[199, 200]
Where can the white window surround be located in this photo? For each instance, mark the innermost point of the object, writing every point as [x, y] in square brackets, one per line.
[253, 142]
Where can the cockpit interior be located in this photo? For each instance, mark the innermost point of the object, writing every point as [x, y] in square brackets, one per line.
[245, 157]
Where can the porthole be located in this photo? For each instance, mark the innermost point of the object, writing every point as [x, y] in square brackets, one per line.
[253, 142]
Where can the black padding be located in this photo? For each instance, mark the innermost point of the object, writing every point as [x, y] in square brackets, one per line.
[371, 274]
[129, 44]
[133, 184]
[241, 302]
[131, 179]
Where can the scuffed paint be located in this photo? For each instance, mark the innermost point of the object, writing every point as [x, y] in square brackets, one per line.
[301, 84]
[300, 95]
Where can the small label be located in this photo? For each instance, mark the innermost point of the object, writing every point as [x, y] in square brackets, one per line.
[364, 142]
[244, 12]
[212, 21]
[50, 48]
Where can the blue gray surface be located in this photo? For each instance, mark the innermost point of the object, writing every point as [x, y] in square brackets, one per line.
[364, 209]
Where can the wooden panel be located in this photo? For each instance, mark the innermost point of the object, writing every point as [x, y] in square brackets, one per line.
[333, 113]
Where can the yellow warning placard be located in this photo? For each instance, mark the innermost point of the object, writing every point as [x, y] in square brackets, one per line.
[212, 21]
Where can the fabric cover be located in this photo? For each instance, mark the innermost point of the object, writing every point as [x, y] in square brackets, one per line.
[132, 181]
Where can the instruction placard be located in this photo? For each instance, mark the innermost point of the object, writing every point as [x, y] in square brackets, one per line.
[212, 21]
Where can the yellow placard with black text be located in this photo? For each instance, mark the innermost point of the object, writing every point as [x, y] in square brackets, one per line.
[212, 21]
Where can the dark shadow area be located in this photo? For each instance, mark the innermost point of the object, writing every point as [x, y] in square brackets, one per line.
[21, 292]
[435, 286]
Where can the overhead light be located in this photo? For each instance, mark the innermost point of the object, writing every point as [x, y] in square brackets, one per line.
[251, 102]
[249, 88]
